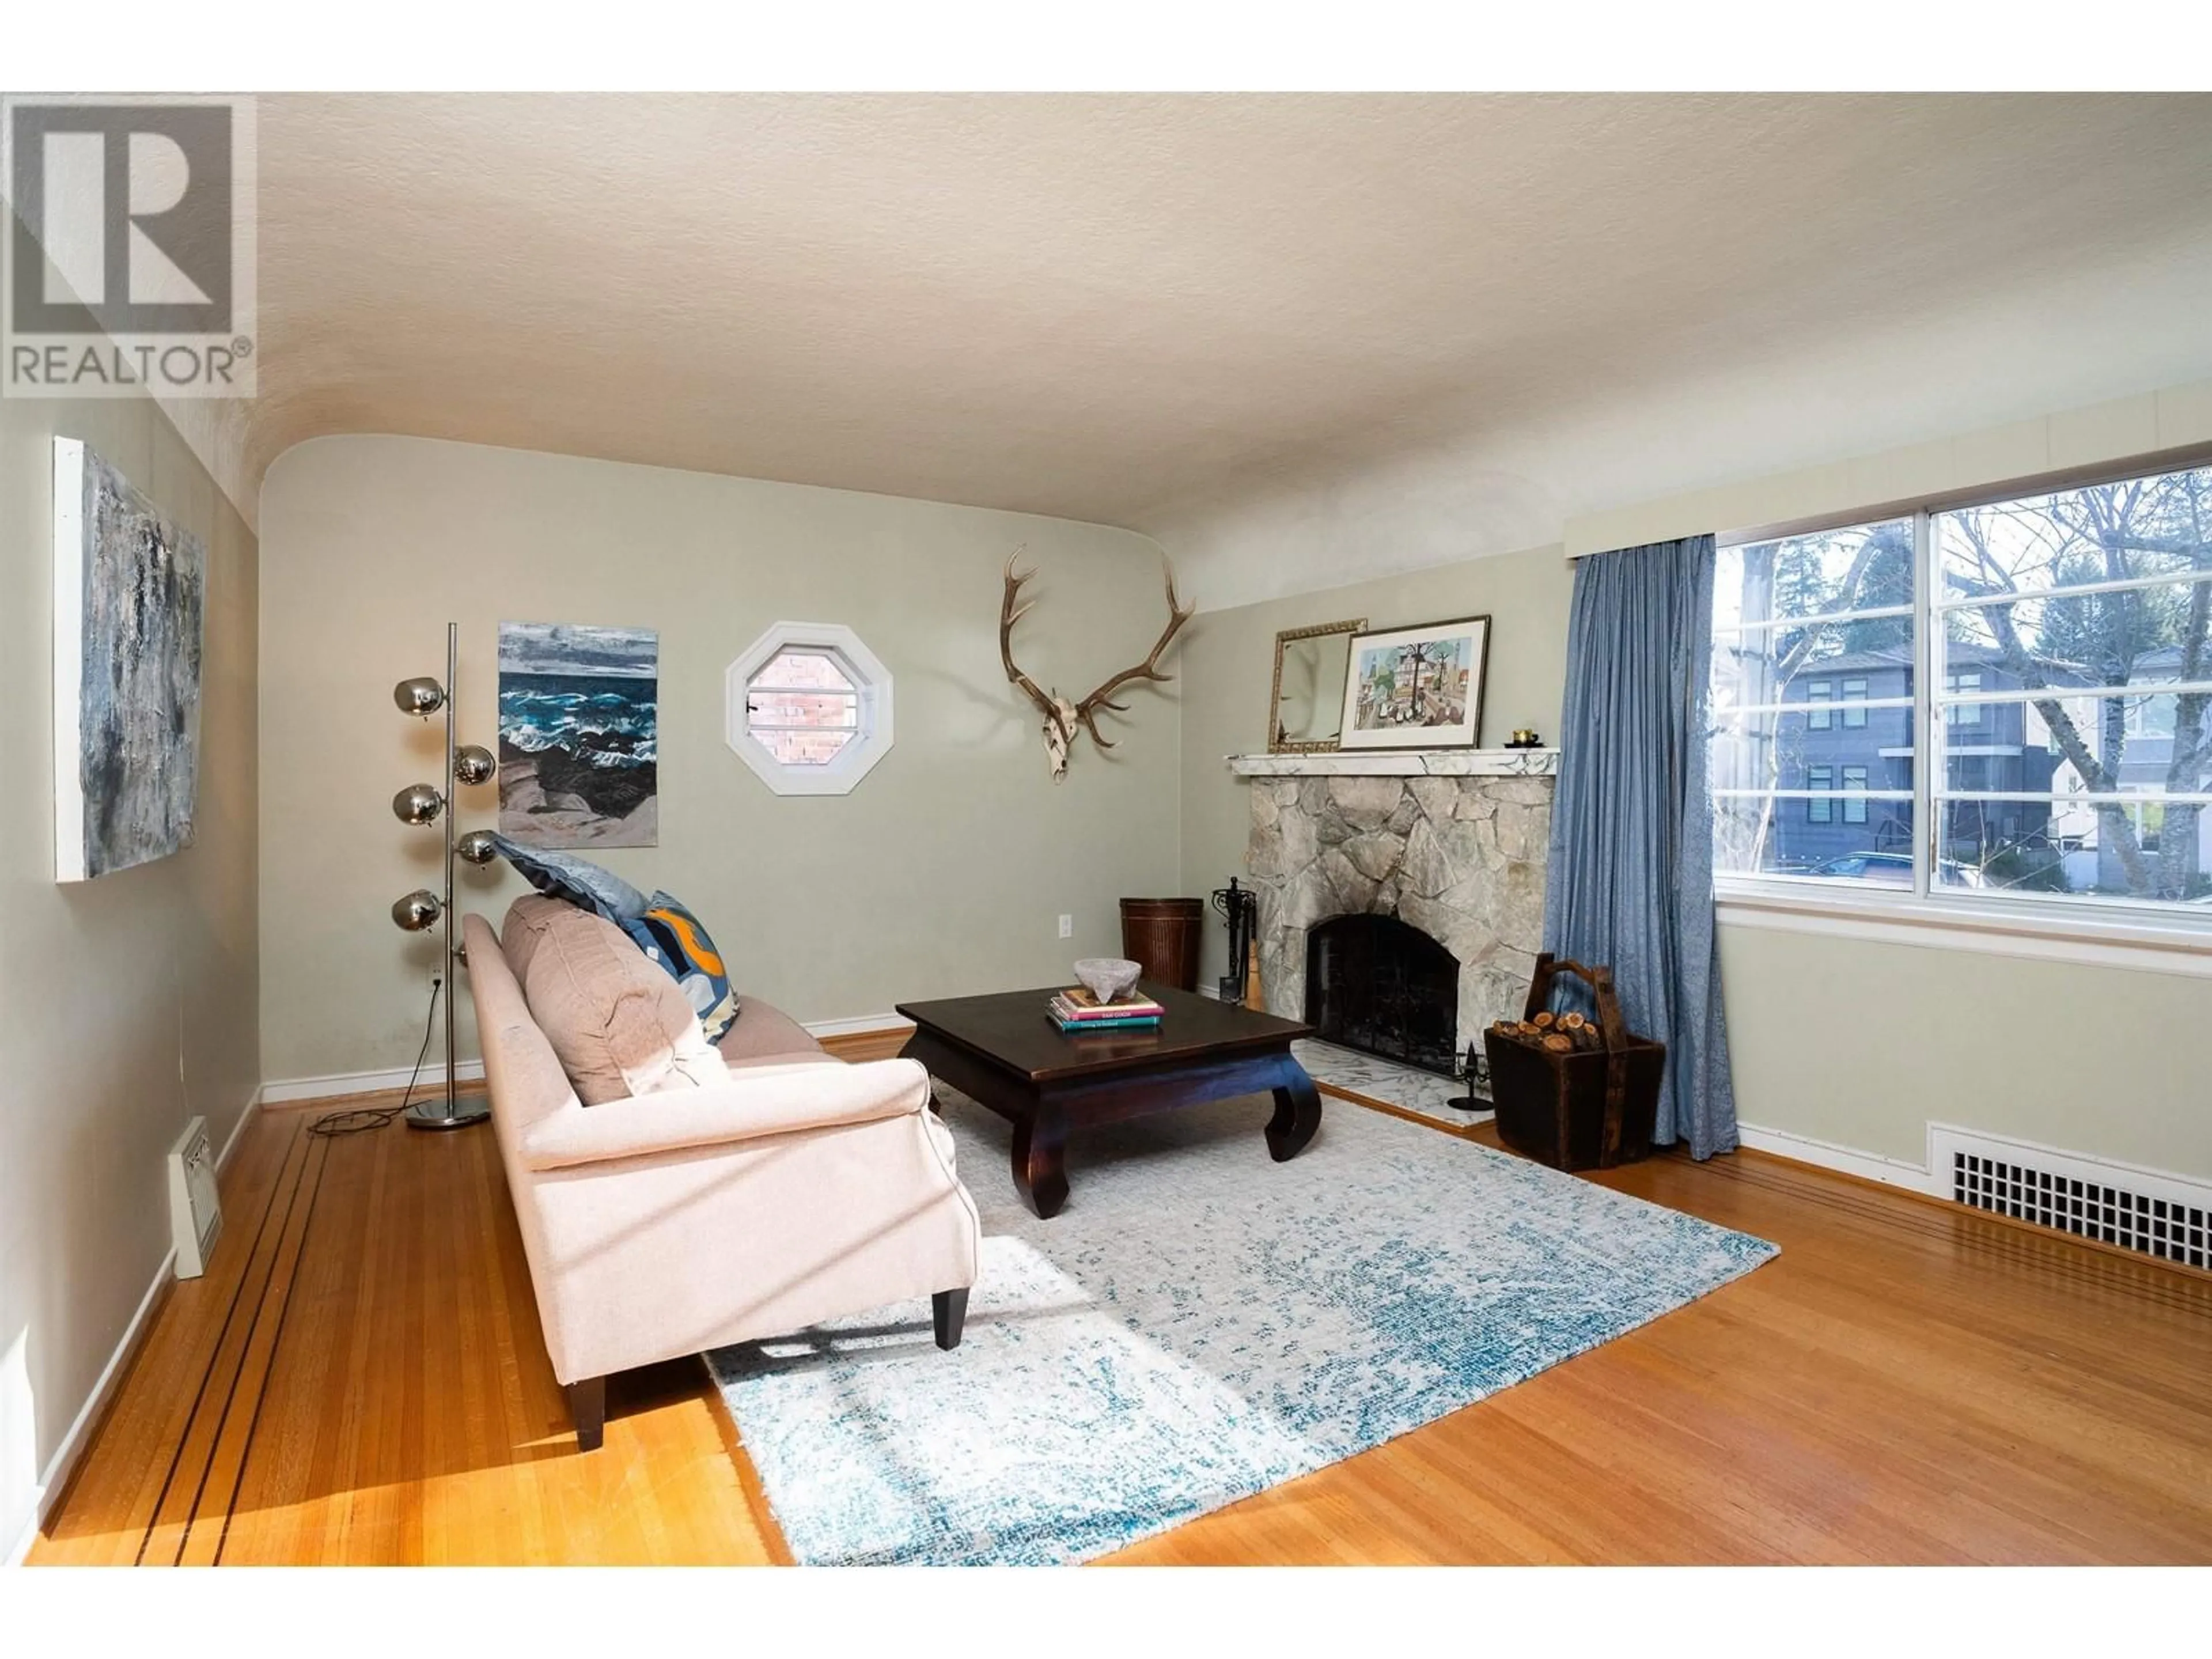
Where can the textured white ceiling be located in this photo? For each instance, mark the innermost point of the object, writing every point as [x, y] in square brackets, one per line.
[1216, 318]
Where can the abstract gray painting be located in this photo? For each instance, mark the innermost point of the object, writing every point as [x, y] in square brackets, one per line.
[130, 599]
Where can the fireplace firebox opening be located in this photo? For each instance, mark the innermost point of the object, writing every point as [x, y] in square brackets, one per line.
[1383, 985]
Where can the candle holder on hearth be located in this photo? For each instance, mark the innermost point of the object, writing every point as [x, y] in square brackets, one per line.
[1474, 1071]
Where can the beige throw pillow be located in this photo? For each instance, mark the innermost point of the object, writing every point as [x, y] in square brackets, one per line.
[620, 1024]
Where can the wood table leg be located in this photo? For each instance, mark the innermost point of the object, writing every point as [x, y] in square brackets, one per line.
[1040, 1158]
[1297, 1116]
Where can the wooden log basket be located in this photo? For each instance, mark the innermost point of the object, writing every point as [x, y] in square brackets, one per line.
[1571, 1092]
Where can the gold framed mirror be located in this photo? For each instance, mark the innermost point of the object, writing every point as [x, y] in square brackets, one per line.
[1306, 705]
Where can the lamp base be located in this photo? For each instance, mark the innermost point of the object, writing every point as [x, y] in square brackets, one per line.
[466, 1109]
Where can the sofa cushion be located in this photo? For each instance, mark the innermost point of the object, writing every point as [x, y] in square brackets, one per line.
[768, 1036]
[527, 918]
[620, 1026]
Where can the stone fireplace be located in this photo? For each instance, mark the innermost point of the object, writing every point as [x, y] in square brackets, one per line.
[1451, 845]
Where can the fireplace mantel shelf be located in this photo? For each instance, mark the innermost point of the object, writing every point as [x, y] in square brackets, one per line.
[1402, 763]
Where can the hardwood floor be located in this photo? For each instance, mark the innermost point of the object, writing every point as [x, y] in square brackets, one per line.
[359, 1378]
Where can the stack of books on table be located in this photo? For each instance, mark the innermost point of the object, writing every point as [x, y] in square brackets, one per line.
[1077, 1010]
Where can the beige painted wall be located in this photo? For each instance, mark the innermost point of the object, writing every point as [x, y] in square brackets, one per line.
[1864, 1043]
[943, 873]
[1228, 665]
[1858, 1043]
[127, 1005]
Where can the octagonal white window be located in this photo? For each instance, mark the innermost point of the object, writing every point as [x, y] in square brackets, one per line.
[809, 708]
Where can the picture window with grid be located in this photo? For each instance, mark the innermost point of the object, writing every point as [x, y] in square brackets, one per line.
[2016, 696]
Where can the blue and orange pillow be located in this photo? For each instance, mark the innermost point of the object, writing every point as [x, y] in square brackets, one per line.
[671, 935]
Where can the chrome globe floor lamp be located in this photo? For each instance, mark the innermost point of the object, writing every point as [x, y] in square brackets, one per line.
[423, 804]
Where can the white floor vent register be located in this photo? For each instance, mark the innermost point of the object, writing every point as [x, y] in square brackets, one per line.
[195, 1211]
[2161, 1215]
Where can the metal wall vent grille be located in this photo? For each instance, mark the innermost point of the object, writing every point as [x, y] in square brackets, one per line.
[2165, 1228]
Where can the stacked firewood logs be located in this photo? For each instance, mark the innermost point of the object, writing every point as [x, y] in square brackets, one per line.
[1556, 1034]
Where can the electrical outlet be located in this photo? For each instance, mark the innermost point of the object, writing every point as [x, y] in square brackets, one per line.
[436, 976]
[1067, 927]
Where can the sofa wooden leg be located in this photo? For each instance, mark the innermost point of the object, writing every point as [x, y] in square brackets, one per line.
[588, 1404]
[949, 1312]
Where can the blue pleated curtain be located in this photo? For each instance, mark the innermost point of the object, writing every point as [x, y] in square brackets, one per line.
[1631, 879]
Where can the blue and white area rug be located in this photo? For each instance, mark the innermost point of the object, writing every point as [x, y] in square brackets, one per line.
[1197, 1324]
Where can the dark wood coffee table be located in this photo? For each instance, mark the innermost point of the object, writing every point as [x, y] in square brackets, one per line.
[1002, 1050]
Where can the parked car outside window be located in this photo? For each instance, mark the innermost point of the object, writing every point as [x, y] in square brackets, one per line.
[1892, 870]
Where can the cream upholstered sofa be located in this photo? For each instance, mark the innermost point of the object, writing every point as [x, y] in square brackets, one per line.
[781, 1189]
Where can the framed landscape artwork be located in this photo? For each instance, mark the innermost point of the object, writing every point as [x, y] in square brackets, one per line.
[129, 603]
[1417, 687]
[579, 735]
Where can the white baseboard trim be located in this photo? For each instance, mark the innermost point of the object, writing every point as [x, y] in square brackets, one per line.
[1933, 1178]
[64, 1462]
[285, 1091]
[1845, 1160]
[236, 1138]
[858, 1026]
[288, 1091]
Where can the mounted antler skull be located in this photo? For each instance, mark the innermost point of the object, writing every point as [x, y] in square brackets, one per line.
[1062, 717]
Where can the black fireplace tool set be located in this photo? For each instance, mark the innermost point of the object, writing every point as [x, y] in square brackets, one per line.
[1240, 908]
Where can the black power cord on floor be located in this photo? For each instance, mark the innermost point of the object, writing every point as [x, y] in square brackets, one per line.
[360, 1120]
